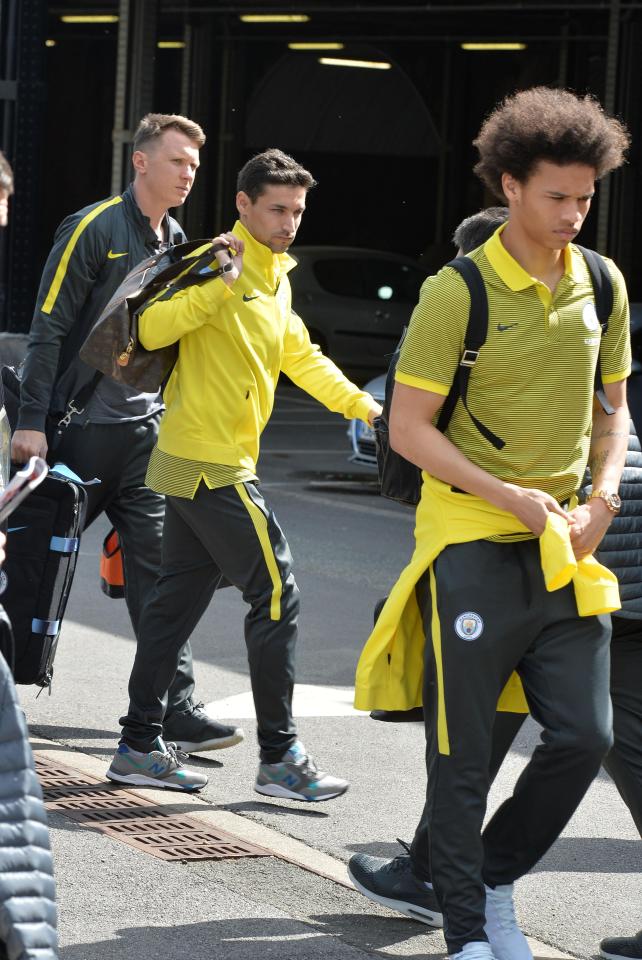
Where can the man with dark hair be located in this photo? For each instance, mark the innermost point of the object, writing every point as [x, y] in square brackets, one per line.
[476, 229]
[491, 598]
[111, 428]
[275, 167]
[236, 334]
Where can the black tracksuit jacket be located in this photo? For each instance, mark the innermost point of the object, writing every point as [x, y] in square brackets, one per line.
[94, 249]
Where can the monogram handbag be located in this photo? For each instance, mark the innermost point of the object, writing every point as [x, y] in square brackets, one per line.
[113, 347]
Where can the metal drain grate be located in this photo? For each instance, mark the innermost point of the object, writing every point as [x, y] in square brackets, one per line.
[135, 821]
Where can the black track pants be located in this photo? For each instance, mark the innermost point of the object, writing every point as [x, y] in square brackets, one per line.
[505, 729]
[624, 760]
[227, 532]
[486, 612]
[118, 454]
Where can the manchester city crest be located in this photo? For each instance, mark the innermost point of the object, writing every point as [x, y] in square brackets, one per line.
[469, 626]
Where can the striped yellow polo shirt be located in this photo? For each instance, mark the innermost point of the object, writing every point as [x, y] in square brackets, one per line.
[533, 382]
[179, 477]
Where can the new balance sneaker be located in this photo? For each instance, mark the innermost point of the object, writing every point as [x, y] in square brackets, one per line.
[506, 939]
[622, 948]
[476, 950]
[296, 777]
[393, 884]
[194, 730]
[162, 767]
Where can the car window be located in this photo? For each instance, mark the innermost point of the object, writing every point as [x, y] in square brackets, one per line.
[344, 278]
[392, 282]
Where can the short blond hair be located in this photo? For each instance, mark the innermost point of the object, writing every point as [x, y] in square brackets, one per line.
[154, 125]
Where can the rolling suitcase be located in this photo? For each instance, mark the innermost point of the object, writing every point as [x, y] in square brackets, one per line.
[43, 538]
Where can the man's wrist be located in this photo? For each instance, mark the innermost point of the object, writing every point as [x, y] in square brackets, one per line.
[609, 499]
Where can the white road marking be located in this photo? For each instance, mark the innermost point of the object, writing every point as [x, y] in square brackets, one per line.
[310, 700]
[303, 450]
[275, 422]
[369, 509]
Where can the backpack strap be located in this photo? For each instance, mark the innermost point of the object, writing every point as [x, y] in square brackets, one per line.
[603, 292]
[474, 339]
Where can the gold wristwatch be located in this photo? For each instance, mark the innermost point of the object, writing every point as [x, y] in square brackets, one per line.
[612, 500]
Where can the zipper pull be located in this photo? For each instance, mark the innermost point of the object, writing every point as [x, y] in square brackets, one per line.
[123, 358]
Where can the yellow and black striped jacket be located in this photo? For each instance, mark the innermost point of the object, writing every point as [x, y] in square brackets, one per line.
[94, 249]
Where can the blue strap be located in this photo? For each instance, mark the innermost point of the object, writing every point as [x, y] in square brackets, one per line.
[49, 627]
[64, 544]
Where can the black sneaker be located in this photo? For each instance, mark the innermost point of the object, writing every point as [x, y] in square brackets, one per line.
[622, 948]
[414, 715]
[194, 730]
[393, 884]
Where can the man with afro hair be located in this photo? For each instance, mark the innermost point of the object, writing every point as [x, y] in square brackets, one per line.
[499, 488]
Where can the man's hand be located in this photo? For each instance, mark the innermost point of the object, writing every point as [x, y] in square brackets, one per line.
[589, 523]
[28, 443]
[235, 248]
[532, 507]
[374, 412]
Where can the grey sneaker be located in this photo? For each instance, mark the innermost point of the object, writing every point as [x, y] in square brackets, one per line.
[161, 767]
[193, 730]
[393, 884]
[296, 777]
[622, 948]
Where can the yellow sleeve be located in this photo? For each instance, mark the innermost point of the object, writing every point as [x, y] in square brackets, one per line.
[319, 376]
[433, 345]
[615, 350]
[166, 321]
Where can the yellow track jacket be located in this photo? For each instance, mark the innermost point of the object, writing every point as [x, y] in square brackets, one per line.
[233, 343]
[391, 667]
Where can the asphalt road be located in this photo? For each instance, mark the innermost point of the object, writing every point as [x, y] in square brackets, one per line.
[348, 547]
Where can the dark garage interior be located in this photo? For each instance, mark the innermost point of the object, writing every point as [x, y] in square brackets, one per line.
[387, 134]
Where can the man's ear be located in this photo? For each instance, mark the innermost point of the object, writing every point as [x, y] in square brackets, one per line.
[139, 161]
[511, 187]
[242, 201]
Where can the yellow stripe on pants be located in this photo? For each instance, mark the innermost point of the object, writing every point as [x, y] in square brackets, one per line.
[259, 520]
[443, 741]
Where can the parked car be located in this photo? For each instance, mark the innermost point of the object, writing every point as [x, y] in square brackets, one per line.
[361, 436]
[355, 302]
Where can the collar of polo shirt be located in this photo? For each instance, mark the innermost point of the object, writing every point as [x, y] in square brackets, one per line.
[514, 275]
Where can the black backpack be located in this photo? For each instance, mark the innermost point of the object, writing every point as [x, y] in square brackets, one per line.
[399, 478]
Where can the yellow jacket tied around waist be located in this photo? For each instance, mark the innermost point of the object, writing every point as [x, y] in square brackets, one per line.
[391, 667]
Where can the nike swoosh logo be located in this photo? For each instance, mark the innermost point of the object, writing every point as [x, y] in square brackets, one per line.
[505, 326]
[247, 299]
[114, 256]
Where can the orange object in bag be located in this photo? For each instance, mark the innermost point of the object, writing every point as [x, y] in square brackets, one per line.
[112, 576]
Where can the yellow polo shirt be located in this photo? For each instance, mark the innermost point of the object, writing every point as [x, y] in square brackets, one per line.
[533, 382]
[181, 477]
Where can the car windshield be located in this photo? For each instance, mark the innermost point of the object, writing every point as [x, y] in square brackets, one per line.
[387, 281]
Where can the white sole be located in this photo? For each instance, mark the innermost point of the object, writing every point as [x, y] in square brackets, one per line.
[430, 917]
[275, 790]
[217, 743]
[138, 780]
[614, 956]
